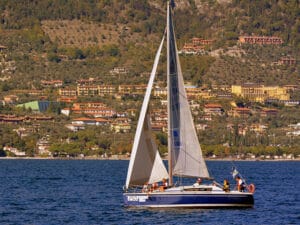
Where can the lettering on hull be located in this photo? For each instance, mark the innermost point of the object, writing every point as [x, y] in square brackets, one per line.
[137, 198]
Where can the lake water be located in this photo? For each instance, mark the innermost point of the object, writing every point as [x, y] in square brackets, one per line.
[90, 192]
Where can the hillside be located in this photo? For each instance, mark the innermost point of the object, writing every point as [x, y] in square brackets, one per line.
[47, 46]
[43, 35]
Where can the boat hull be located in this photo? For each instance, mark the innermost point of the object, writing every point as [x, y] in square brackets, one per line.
[189, 200]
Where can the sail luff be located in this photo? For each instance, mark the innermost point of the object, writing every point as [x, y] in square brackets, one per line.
[142, 119]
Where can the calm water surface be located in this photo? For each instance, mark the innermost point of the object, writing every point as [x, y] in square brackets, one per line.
[90, 192]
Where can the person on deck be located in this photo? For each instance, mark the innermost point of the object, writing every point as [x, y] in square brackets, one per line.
[198, 182]
[226, 186]
[154, 186]
[145, 187]
[164, 183]
[240, 184]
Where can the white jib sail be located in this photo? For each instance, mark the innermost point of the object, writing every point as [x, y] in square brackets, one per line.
[145, 163]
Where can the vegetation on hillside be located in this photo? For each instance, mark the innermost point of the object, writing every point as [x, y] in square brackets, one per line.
[71, 40]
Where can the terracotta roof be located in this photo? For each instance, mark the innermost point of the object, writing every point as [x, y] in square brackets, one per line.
[213, 106]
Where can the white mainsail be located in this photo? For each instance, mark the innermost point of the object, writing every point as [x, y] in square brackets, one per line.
[145, 163]
[184, 148]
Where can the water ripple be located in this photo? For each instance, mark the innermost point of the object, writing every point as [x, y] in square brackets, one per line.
[90, 192]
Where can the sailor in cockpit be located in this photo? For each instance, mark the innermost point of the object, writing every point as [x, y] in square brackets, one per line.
[198, 182]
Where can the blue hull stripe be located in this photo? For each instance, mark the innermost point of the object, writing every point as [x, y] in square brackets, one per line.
[188, 200]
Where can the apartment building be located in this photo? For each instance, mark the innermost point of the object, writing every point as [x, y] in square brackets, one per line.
[262, 40]
[67, 92]
[260, 93]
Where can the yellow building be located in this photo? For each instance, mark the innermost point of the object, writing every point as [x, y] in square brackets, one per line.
[260, 93]
[120, 127]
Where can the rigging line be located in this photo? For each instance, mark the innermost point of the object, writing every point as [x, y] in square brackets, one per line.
[191, 156]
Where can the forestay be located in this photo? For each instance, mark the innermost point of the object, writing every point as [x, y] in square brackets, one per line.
[145, 163]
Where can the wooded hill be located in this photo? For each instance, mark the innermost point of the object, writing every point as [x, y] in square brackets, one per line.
[74, 39]
[70, 39]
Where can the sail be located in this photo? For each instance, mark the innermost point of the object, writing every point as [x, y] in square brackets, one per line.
[145, 163]
[184, 148]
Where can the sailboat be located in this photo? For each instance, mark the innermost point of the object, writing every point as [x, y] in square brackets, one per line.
[185, 159]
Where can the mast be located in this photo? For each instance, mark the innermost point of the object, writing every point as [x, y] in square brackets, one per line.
[170, 166]
[174, 141]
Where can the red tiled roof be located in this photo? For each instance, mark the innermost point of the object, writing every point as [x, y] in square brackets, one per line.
[213, 106]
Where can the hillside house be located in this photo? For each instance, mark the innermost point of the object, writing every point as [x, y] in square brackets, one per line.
[196, 46]
[84, 105]
[240, 112]
[89, 81]
[104, 112]
[25, 131]
[52, 83]
[160, 92]
[213, 109]
[190, 48]
[89, 121]
[43, 146]
[10, 99]
[258, 128]
[119, 71]
[12, 119]
[75, 127]
[95, 109]
[15, 151]
[201, 41]
[201, 126]
[107, 90]
[287, 61]
[67, 99]
[30, 92]
[159, 115]
[67, 92]
[132, 89]
[268, 112]
[159, 126]
[193, 92]
[121, 127]
[2, 48]
[261, 40]
[131, 112]
[294, 130]
[87, 90]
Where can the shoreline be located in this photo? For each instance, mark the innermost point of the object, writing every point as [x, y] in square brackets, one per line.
[126, 158]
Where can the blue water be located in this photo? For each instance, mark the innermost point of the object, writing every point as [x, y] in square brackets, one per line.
[90, 192]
